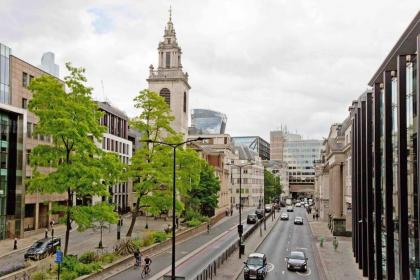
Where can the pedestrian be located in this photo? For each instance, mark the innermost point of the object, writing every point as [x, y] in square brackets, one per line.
[231, 211]
[46, 233]
[313, 216]
[177, 222]
[317, 216]
[52, 232]
[15, 244]
[335, 243]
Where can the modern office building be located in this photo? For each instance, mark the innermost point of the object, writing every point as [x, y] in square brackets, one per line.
[252, 184]
[20, 211]
[207, 122]
[254, 143]
[277, 138]
[169, 80]
[385, 125]
[115, 139]
[48, 64]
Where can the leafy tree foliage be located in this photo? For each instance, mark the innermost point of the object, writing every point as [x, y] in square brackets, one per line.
[80, 168]
[272, 187]
[202, 197]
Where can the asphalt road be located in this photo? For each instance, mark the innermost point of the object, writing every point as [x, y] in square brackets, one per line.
[163, 260]
[286, 236]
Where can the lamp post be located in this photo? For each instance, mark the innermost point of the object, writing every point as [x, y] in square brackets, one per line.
[240, 227]
[174, 146]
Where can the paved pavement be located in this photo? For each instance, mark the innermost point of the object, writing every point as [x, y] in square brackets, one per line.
[80, 242]
[162, 261]
[284, 237]
[340, 264]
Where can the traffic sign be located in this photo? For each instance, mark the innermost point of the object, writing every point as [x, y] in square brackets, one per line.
[59, 256]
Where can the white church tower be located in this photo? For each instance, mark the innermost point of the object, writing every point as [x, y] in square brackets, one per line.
[169, 80]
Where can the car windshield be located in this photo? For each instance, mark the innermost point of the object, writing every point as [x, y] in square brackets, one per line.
[255, 261]
[297, 256]
[38, 244]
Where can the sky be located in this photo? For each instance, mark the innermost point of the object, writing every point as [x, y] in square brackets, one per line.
[264, 63]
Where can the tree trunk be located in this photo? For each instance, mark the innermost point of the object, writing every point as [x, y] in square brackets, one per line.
[68, 221]
[133, 218]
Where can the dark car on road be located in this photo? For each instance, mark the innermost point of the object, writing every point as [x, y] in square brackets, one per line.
[297, 260]
[284, 216]
[251, 219]
[268, 209]
[259, 213]
[42, 248]
[298, 221]
[255, 266]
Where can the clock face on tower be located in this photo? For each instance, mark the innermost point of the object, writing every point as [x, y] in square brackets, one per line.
[169, 80]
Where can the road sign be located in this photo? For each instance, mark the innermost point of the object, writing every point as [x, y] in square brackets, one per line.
[59, 256]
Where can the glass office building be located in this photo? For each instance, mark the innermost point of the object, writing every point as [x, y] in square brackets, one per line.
[11, 153]
[255, 143]
[207, 122]
[385, 167]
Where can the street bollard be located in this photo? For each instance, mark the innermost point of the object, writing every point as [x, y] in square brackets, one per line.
[321, 241]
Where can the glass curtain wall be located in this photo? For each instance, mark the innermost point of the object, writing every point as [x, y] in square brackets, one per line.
[4, 74]
[411, 105]
[395, 214]
[4, 144]
[383, 187]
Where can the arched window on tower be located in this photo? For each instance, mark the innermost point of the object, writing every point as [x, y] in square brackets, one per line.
[165, 93]
[185, 102]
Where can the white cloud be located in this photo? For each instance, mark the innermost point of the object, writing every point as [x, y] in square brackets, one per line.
[263, 63]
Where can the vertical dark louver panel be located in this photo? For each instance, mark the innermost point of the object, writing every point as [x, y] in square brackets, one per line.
[388, 176]
[377, 175]
[363, 197]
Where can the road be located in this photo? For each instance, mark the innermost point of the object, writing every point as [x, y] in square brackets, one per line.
[163, 260]
[286, 236]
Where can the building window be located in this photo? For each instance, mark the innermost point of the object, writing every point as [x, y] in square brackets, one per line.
[25, 81]
[168, 60]
[29, 130]
[30, 79]
[185, 102]
[24, 103]
[28, 156]
[165, 93]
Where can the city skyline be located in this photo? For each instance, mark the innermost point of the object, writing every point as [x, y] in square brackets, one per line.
[231, 69]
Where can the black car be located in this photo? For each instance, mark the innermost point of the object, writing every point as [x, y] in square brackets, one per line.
[255, 267]
[251, 219]
[259, 213]
[297, 260]
[298, 221]
[268, 209]
[42, 248]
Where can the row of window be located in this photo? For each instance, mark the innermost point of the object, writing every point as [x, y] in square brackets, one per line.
[115, 146]
[26, 79]
[30, 128]
[249, 181]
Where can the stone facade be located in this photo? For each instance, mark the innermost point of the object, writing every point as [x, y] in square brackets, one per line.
[170, 81]
[333, 179]
[217, 151]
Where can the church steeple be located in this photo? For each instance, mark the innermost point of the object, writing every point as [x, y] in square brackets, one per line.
[169, 51]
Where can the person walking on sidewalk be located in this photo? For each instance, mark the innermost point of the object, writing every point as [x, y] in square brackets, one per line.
[335, 243]
[46, 233]
[15, 244]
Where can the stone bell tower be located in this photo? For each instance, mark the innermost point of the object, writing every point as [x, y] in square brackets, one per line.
[169, 80]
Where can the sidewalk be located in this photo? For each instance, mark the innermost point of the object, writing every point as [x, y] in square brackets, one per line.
[232, 268]
[338, 264]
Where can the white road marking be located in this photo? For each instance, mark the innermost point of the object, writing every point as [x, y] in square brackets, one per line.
[270, 267]
[307, 273]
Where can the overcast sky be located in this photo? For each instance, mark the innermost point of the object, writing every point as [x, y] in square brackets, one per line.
[265, 63]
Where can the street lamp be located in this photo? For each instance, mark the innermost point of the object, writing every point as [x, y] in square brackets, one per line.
[174, 146]
[240, 227]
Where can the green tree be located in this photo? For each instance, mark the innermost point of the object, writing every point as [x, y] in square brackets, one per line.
[80, 168]
[203, 197]
[154, 123]
[272, 187]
